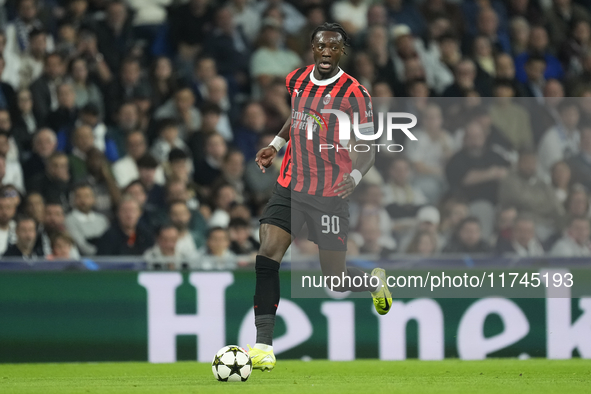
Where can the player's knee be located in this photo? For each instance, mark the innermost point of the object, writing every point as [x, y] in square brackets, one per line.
[271, 252]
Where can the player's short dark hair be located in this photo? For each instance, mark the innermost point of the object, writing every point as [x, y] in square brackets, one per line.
[177, 154]
[334, 27]
[147, 161]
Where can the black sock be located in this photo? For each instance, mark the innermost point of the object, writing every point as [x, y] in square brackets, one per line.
[352, 273]
[266, 298]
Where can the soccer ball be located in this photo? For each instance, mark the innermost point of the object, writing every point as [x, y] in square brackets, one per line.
[231, 364]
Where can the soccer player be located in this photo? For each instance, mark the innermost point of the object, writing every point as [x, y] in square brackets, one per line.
[314, 183]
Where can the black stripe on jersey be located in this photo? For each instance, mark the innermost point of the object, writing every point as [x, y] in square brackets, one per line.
[293, 80]
[333, 131]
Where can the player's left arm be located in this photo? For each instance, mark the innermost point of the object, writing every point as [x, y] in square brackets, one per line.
[362, 160]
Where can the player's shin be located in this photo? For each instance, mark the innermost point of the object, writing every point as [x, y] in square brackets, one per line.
[266, 299]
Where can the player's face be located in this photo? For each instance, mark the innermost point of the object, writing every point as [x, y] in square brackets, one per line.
[328, 47]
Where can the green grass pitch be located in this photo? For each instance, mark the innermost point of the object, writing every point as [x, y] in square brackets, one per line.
[325, 377]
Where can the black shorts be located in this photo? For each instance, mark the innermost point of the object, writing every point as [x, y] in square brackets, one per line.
[327, 217]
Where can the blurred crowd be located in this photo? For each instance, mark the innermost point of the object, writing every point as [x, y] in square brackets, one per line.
[130, 127]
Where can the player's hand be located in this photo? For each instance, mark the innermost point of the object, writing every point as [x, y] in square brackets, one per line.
[346, 187]
[265, 157]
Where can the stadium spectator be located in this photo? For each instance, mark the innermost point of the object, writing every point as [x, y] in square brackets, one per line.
[127, 120]
[53, 223]
[575, 242]
[61, 247]
[204, 70]
[181, 109]
[26, 236]
[233, 173]
[474, 174]
[270, 60]
[147, 166]
[84, 224]
[222, 198]
[44, 89]
[189, 24]
[99, 176]
[17, 32]
[114, 34]
[208, 170]
[247, 135]
[54, 183]
[245, 18]
[128, 86]
[504, 224]
[66, 113]
[167, 140]
[533, 86]
[35, 207]
[125, 170]
[423, 244]
[12, 173]
[523, 242]
[426, 220]
[261, 184]
[25, 123]
[577, 202]
[7, 223]
[561, 141]
[163, 80]
[242, 242]
[103, 140]
[372, 241]
[430, 153]
[402, 197]
[560, 18]
[465, 80]
[86, 91]
[165, 255]
[7, 94]
[510, 117]
[217, 94]
[561, 180]
[580, 164]
[218, 255]
[229, 47]
[453, 211]
[351, 14]
[125, 237]
[529, 194]
[467, 239]
[539, 45]
[191, 227]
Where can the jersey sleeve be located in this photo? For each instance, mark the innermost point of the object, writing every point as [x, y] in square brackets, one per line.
[360, 102]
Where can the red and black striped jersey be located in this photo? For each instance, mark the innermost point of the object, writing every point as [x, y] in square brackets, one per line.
[306, 168]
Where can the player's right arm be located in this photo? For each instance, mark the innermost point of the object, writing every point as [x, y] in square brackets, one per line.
[266, 155]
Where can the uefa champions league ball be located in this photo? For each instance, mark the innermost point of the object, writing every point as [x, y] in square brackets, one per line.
[231, 364]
